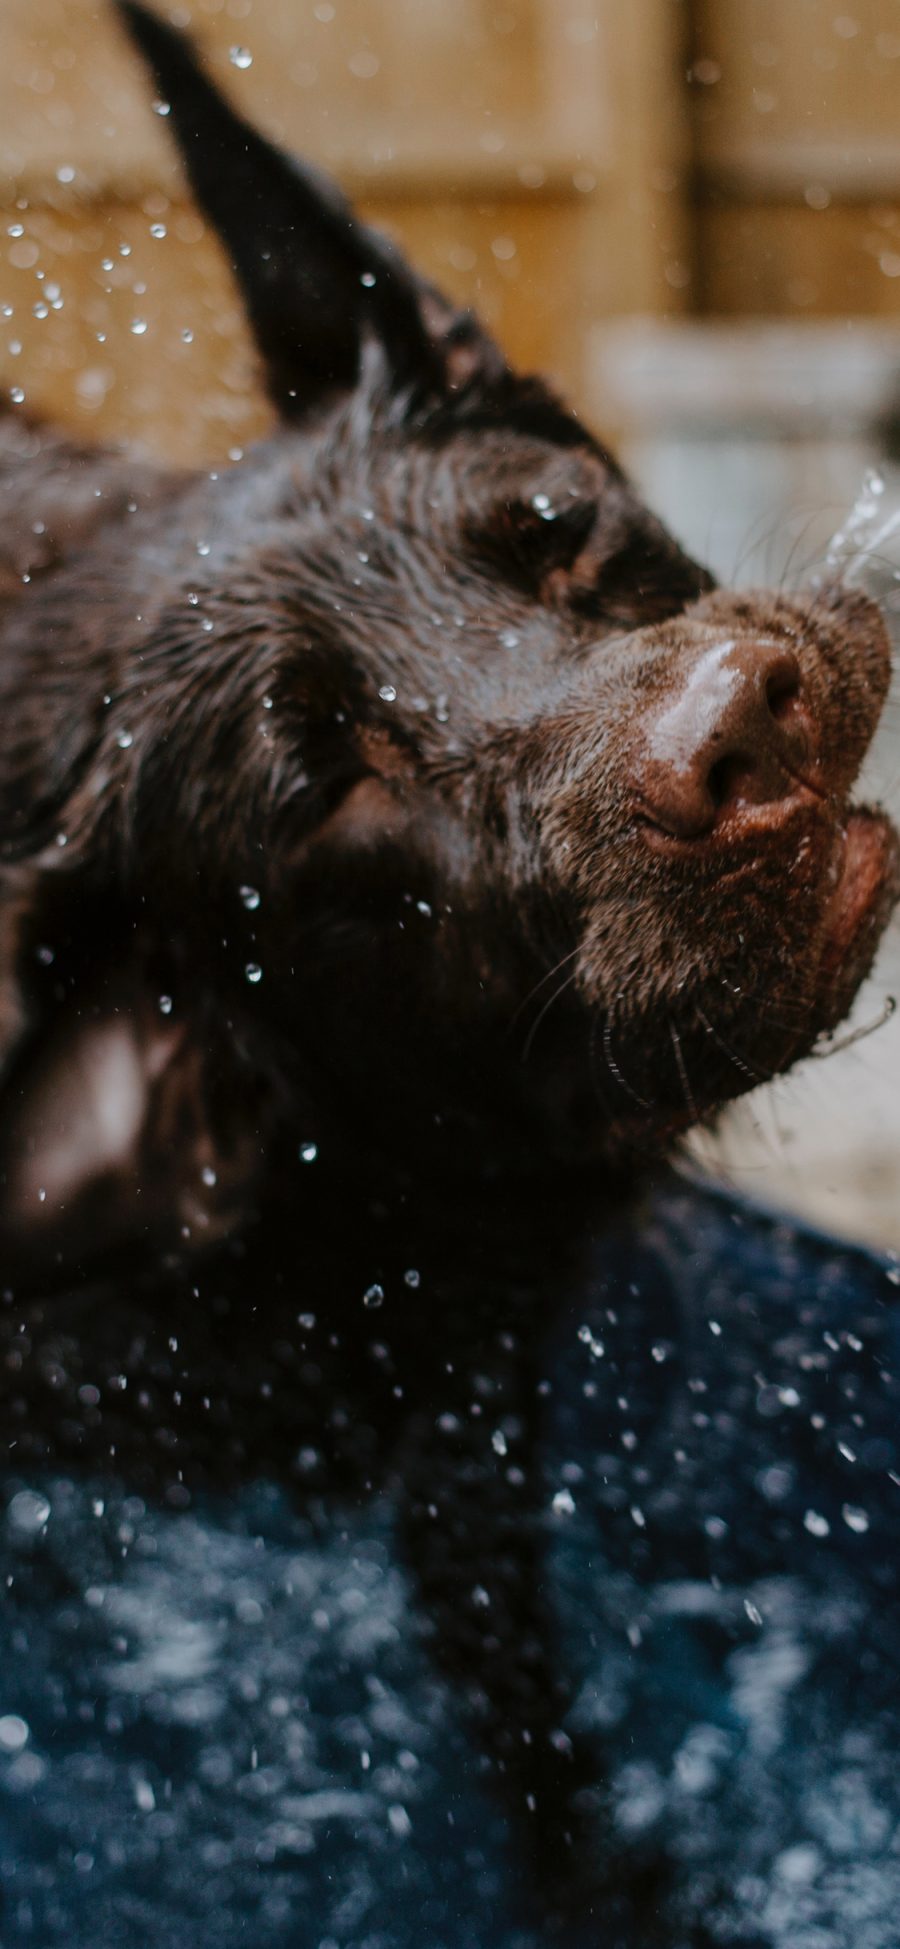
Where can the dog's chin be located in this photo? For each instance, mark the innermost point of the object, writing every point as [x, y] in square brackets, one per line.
[865, 889]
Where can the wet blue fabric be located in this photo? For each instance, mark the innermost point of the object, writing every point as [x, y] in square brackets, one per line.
[220, 1724]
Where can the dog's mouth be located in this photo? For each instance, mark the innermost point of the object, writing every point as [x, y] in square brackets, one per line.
[796, 956]
[866, 886]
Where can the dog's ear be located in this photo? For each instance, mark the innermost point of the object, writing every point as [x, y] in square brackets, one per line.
[314, 278]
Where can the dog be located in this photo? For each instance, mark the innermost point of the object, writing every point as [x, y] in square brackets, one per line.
[401, 805]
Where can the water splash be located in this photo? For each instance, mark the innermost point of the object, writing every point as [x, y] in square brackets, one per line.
[862, 535]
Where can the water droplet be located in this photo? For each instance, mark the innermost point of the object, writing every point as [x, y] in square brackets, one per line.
[253, 971]
[157, 230]
[499, 1442]
[165, 1004]
[17, 395]
[595, 1347]
[387, 693]
[250, 898]
[373, 1296]
[855, 1519]
[138, 327]
[509, 639]
[563, 1503]
[412, 1278]
[187, 336]
[162, 108]
[208, 1175]
[124, 740]
[816, 1524]
[364, 64]
[13, 1733]
[240, 57]
[309, 1153]
[29, 1512]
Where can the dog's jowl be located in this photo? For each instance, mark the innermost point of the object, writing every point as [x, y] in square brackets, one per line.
[405, 797]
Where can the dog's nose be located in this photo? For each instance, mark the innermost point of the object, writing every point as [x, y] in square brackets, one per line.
[735, 737]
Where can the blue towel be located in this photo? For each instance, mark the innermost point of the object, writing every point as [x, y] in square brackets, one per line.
[221, 1723]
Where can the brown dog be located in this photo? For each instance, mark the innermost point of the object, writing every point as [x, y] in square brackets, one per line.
[404, 796]
[404, 790]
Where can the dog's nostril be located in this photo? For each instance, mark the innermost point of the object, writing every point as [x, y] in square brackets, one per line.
[783, 693]
[727, 779]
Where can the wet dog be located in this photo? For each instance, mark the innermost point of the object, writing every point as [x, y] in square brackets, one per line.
[401, 803]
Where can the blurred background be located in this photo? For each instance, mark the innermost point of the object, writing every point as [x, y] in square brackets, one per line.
[686, 211]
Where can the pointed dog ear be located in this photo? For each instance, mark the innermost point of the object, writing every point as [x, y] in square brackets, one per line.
[314, 278]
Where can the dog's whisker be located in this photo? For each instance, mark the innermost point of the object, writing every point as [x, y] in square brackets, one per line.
[555, 997]
[542, 982]
[834, 1047]
[682, 1072]
[615, 1070]
[753, 1076]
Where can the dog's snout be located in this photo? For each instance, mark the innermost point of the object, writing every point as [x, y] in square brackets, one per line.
[735, 737]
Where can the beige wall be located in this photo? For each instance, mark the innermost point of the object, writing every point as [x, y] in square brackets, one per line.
[530, 153]
[796, 121]
[554, 162]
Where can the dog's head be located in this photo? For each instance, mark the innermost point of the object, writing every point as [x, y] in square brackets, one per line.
[541, 830]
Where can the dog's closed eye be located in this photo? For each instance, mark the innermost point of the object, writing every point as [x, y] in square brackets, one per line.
[528, 540]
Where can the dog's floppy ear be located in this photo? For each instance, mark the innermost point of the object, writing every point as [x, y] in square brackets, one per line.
[313, 277]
